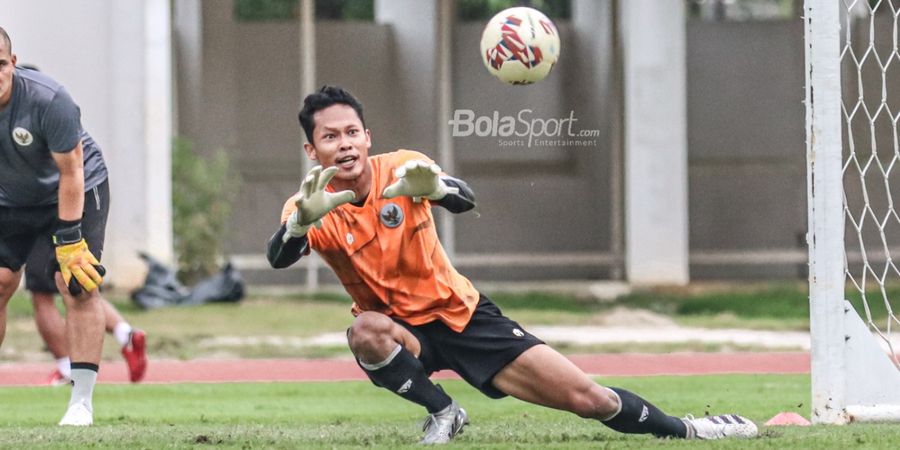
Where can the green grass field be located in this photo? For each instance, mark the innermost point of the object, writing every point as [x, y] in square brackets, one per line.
[357, 414]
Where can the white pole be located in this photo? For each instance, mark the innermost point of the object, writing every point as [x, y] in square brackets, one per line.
[445, 158]
[826, 210]
[307, 86]
[655, 142]
[158, 125]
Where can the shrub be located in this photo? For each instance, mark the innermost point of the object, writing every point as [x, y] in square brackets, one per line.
[203, 191]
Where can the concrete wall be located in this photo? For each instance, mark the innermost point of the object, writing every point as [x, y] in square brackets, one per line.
[746, 139]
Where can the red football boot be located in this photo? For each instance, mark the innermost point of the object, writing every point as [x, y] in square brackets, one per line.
[135, 353]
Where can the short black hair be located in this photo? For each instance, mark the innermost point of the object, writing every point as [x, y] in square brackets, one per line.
[326, 96]
[6, 38]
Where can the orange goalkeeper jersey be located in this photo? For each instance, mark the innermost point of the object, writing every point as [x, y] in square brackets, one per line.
[388, 256]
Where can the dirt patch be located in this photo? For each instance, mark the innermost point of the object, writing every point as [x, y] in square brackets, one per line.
[621, 316]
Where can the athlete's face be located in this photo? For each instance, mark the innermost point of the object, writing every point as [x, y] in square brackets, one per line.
[340, 140]
[7, 67]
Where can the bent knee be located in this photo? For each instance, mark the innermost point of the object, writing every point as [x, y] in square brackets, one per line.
[9, 282]
[368, 328]
[593, 402]
[85, 301]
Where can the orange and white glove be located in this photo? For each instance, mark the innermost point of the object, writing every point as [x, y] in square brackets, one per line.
[80, 269]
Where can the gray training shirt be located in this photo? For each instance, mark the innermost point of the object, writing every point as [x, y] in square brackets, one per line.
[41, 118]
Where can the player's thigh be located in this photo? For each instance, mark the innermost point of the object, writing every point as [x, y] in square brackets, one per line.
[490, 342]
[19, 230]
[9, 281]
[41, 266]
[543, 376]
[96, 212]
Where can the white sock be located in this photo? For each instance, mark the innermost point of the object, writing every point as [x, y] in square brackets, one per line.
[83, 381]
[64, 366]
[122, 332]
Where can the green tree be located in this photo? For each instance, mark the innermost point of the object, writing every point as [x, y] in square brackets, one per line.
[203, 192]
[274, 10]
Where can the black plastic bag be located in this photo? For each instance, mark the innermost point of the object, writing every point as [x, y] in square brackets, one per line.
[162, 289]
[226, 286]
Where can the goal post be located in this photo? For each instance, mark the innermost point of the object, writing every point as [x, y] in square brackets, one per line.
[855, 373]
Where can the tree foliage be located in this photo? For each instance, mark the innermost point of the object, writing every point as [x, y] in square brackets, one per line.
[203, 192]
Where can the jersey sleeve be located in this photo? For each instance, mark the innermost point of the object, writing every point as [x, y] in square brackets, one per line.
[288, 209]
[61, 123]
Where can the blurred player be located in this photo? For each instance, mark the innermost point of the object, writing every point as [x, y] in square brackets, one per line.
[51, 325]
[415, 314]
[53, 187]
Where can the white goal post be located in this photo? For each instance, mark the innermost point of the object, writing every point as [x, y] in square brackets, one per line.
[853, 155]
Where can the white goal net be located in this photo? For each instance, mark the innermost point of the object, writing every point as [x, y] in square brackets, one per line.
[853, 157]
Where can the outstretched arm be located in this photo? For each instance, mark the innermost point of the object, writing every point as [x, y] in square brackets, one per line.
[311, 203]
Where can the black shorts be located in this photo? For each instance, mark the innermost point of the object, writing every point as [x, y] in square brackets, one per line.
[488, 344]
[26, 237]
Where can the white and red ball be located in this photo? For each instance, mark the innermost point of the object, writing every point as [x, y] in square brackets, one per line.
[520, 45]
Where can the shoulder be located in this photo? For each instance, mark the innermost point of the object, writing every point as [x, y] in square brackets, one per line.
[39, 87]
[289, 207]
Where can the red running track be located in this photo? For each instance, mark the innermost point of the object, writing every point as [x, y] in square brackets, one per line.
[286, 370]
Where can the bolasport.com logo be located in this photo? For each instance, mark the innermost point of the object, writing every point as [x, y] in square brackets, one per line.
[524, 129]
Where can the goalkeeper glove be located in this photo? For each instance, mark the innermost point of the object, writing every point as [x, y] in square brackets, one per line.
[419, 179]
[313, 202]
[79, 268]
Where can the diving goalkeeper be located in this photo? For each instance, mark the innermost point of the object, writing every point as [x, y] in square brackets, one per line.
[370, 220]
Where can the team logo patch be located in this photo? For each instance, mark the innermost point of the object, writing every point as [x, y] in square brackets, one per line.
[405, 388]
[391, 215]
[518, 332]
[22, 136]
[349, 239]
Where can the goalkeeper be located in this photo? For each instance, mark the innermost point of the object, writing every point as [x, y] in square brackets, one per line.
[370, 220]
[50, 168]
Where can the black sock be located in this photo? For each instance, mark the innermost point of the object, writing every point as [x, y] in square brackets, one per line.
[639, 416]
[403, 374]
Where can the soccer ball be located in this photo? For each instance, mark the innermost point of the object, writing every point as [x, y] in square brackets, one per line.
[520, 45]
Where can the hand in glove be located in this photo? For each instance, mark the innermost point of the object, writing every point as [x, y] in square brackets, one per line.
[418, 179]
[78, 266]
[313, 201]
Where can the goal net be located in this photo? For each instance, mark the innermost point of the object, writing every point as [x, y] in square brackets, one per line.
[853, 167]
